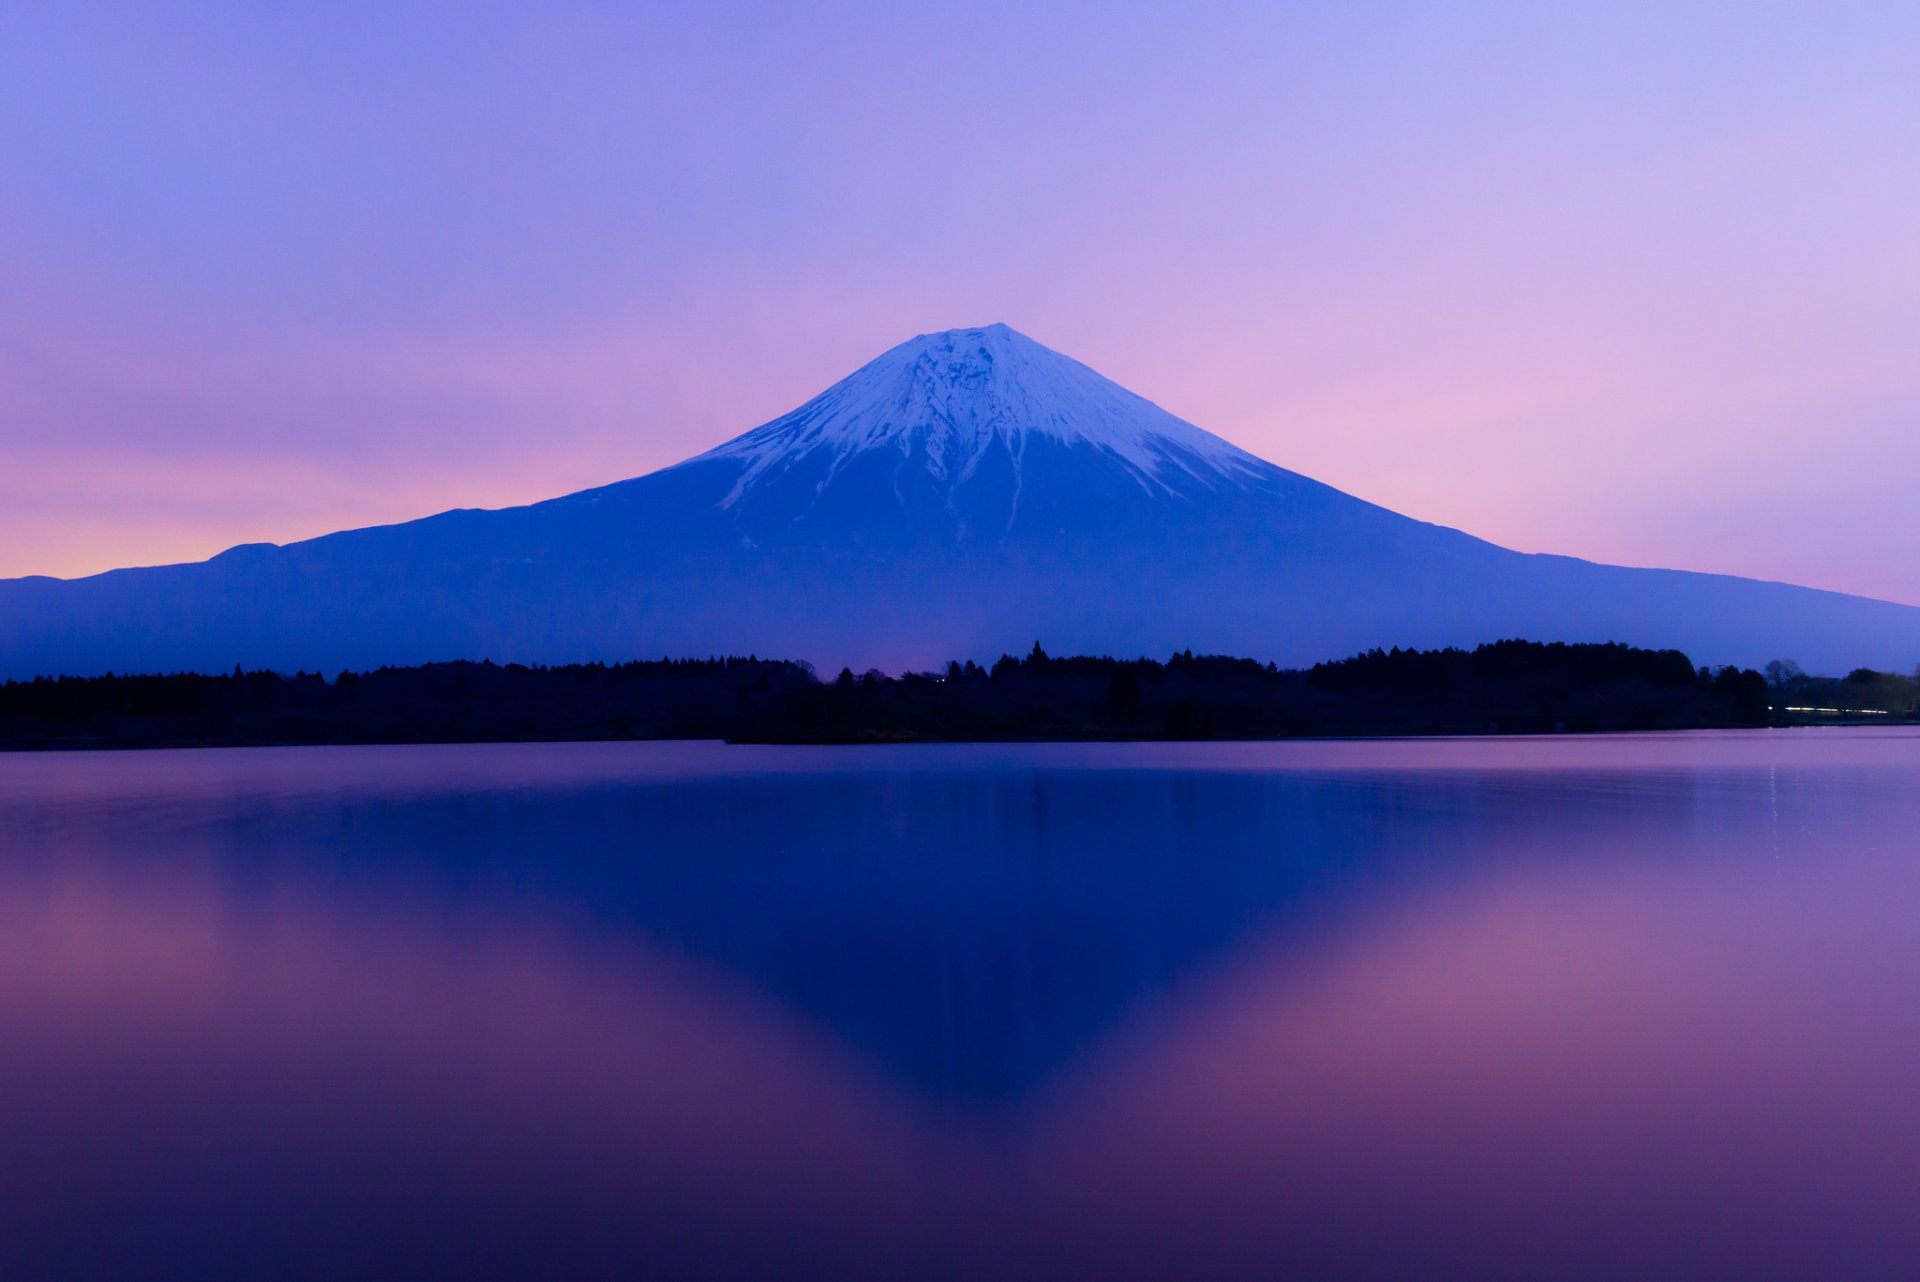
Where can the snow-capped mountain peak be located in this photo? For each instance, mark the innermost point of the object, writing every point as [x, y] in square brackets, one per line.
[960, 496]
[951, 399]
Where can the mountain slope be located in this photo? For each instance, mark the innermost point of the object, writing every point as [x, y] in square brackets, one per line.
[961, 495]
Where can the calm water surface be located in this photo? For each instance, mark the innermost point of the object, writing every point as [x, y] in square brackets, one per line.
[1565, 1008]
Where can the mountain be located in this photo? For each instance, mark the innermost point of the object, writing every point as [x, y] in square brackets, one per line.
[962, 495]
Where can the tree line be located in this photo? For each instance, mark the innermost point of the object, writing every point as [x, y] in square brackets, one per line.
[1863, 695]
[458, 702]
[1506, 687]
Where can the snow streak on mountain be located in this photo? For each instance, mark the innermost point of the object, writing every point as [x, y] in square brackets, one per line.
[963, 494]
[969, 400]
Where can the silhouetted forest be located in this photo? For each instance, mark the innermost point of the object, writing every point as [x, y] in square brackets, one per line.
[434, 703]
[1863, 695]
[1508, 687]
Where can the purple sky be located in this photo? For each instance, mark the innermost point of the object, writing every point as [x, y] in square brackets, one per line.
[1601, 279]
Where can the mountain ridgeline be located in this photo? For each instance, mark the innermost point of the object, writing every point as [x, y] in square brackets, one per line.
[1507, 687]
[962, 493]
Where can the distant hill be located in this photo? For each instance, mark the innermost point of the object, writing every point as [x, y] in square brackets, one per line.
[963, 493]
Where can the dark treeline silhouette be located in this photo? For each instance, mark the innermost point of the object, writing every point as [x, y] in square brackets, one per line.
[1508, 687]
[1505, 687]
[1862, 695]
[434, 703]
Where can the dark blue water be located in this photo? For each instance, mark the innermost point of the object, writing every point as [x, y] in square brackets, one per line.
[1609, 1007]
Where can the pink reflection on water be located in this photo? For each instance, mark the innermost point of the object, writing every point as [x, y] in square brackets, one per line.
[1600, 1077]
[1696, 1066]
[183, 1085]
[1589, 1077]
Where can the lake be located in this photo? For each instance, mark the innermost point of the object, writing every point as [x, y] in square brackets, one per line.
[1622, 1006]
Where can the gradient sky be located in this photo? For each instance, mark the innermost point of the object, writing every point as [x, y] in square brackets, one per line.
[1636, 282]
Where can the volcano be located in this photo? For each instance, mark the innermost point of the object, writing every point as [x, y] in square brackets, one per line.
[962, 495]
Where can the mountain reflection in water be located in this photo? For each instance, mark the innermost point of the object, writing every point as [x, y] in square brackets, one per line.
[1633, 1006]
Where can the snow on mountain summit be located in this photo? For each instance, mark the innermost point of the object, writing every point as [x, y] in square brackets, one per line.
[951, 399]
